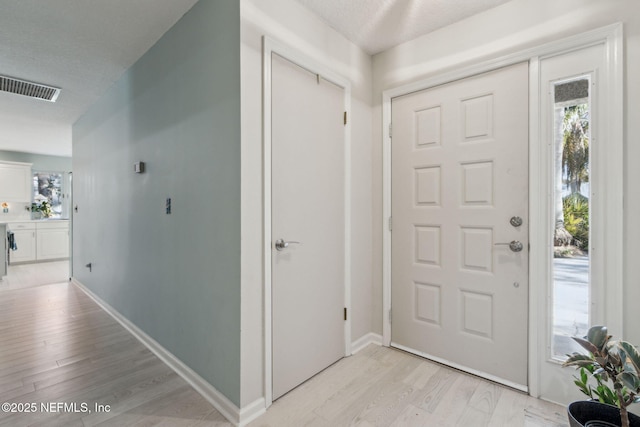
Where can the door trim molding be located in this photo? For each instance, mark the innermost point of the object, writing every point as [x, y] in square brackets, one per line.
[270, 46]
[612, 37]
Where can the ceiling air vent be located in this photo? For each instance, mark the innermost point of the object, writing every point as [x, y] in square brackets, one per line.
[33, 90]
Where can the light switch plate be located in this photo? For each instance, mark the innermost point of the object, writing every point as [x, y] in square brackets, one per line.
[138, 167]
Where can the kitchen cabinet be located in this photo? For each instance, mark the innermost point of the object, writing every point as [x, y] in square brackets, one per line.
[40, 241]
[15, 182]
[52, 240]
[25, 236]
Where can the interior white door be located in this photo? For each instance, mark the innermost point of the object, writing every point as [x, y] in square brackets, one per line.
[459, 198]
[308, 215]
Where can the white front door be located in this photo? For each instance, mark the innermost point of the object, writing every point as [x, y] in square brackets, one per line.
[308, 217]
[459, 290]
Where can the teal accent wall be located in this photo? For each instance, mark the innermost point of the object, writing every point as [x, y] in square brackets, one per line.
[40, 162]
[177, 276]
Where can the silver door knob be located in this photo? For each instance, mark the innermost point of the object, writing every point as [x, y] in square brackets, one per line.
[514, 245]
[516, 221]
[281, 244]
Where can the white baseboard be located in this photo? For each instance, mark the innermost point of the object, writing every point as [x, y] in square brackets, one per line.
[365, 340]
[227, 408]
[252, 411]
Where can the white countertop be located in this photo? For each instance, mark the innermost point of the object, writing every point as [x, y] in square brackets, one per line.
[33, 220]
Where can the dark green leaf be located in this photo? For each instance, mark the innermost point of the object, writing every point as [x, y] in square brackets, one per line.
[628, 380]
[632, 354]
[583, 388]
[606, 395]
[577, 357]
[586, 345]
[577, 363]
[583, 375]
[597, 335]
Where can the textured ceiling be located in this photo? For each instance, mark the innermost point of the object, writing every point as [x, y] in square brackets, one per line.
[84, 46]
[81, 46]
[377, 25]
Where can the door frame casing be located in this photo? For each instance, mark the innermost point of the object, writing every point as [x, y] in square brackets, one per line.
[269, 47]
[612, 38]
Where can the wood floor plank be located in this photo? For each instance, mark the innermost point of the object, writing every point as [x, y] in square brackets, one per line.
[435, 389]
[181, 404]
[540, 413]
[453, 403]
[385, 388]
[344, 405]
[508, 411]
[486, 397]
[412, 416]
[57, 345]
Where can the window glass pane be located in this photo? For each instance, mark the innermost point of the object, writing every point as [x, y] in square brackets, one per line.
[48, 196]
[571, 214]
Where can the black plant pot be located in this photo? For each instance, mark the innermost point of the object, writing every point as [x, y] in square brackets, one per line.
[583, 411]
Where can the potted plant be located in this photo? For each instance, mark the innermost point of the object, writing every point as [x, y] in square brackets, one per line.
[608, 361]
[42, 208]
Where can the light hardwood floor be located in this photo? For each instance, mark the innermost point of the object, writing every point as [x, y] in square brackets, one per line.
[57, 345]
[27, 275]
[380, 386]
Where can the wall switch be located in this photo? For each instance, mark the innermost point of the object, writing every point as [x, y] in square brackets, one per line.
[138, 167]
[168, 206]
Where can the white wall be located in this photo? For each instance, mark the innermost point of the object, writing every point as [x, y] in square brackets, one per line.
[506, 29]
[43, 137]
[292, 24]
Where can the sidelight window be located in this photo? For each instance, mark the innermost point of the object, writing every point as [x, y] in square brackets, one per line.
[571, 202]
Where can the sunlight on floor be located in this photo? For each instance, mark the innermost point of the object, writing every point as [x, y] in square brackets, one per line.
[37, 274]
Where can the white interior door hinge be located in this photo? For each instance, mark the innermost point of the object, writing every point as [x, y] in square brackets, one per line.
[389, 316]
[390, 130]
[390, 223]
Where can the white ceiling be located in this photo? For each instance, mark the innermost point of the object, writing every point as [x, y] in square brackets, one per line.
[377, 25]
[81, 46]
[84, 46]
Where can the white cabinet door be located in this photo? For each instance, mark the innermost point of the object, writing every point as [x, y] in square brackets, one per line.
[15, 182]
[26, 242]
[52, 241]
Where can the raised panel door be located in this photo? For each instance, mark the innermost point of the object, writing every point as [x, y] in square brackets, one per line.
[459, 173]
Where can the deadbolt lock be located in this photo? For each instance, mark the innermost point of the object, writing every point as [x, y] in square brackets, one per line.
[516, 221]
